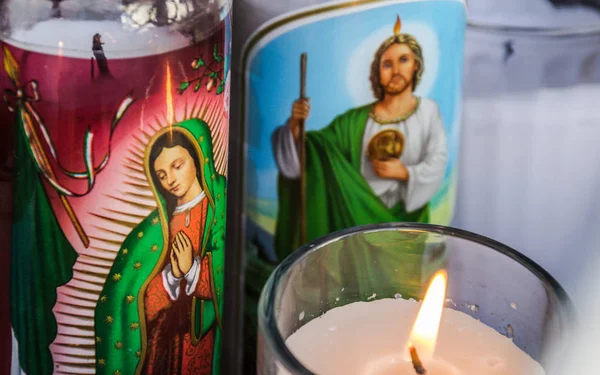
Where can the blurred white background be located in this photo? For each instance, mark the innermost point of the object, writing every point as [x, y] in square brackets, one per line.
[530, 165]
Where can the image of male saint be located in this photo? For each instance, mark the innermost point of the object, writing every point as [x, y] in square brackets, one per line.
[382, 162]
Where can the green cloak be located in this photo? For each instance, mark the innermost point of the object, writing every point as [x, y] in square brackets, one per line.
[41, 260]
[120, 320]
[338, 196]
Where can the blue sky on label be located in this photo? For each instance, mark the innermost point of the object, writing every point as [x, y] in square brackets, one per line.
[340, 51]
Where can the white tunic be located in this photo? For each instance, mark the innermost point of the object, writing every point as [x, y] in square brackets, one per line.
[425, 156]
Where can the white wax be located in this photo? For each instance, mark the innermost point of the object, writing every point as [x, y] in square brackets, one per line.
[368, 338]
[74, 38]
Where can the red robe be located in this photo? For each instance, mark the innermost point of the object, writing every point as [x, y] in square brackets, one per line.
[168, 323]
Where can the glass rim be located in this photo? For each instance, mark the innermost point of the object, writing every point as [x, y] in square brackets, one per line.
[81, 53]
[535, 31]
[266, 315]
[70, 52]
[85, 53]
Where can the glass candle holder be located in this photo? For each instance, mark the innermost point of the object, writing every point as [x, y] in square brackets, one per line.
[487, 280]
[528, 115]
[96, 95]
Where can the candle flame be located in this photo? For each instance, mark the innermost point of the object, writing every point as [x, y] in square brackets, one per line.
[424, 333]
[397, 26]
[169, 96]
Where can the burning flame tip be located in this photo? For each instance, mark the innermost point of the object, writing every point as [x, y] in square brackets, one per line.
[441, 274]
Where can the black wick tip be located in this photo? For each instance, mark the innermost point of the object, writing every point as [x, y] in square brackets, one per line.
[416, 361]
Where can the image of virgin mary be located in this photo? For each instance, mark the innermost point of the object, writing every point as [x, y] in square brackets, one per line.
[160, 308]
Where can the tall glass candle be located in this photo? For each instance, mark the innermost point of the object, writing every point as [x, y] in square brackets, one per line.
[119, 113]
[522, 58]
[351, 115]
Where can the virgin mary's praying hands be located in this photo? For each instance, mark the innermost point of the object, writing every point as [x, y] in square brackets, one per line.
[181, 255]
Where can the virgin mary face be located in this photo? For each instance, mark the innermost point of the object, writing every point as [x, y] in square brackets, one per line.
[175, 170]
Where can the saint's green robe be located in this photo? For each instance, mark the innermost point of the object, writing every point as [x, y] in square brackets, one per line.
[337, 195]
[119, 319]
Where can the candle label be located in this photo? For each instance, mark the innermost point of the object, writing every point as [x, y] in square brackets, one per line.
[376, 86]
[119, 207]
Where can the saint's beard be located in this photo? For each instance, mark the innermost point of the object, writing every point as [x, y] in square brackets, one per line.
[397, 86]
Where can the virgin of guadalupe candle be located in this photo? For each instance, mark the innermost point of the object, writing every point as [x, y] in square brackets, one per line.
[351, 111]
[120, 118]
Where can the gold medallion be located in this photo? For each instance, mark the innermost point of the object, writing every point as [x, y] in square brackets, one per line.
[386, 144]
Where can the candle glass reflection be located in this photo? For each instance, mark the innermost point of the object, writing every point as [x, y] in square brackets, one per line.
[486, 280]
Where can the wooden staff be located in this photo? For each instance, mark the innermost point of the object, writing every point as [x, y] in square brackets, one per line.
[302, 142]
[303, 218]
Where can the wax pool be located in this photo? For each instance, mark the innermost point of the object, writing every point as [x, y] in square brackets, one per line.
[369, 337]
[73, 38]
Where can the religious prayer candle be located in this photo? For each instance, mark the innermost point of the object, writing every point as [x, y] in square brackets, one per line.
[119, 113]
[347, 304]
[351, 111]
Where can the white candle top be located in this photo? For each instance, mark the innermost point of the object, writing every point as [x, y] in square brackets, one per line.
[370, 337]
[73, 38]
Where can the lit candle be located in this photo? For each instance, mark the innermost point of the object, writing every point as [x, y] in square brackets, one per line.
[421, 344]
[375, 338]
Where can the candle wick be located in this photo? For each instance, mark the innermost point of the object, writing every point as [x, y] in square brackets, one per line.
[416, 361]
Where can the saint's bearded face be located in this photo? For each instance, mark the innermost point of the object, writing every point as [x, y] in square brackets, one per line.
[175, 170]
[397, 69]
